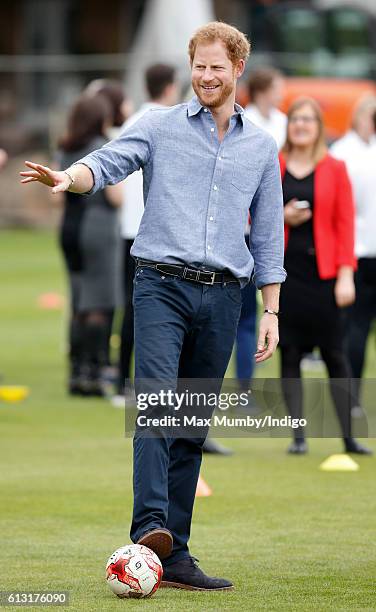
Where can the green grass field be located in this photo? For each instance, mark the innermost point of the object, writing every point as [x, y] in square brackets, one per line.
[291, 537]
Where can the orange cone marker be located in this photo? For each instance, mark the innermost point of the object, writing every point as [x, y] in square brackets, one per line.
[51, 301]
[203, 489]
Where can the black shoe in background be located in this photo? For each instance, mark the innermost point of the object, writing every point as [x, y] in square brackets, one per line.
[298, 447]
[212, 447]
[91, 383]
[353, 447]
[74, 385]
[74, 382]
[185, 574]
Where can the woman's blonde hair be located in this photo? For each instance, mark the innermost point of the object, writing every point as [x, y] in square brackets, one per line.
[320, 149]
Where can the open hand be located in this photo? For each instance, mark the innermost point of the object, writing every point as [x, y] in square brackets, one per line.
[59, 181]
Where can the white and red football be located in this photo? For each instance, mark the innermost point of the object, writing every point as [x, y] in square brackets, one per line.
[134, 571]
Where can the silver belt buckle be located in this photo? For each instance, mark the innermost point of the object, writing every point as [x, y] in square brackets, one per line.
[212, 280]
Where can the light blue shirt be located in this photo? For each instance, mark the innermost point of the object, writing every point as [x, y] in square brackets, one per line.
[198, 191]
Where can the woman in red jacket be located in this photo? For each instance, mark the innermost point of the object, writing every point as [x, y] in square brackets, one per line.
[319, 260]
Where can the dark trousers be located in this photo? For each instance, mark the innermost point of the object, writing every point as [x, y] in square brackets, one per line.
[182, 330]
[246, 333]
[127, 327]
[360, 317]
[337, 366]
[89, 334]
[246, 336]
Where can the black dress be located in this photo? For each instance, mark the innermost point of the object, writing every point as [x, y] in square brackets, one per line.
[309, 314]
[89, 238]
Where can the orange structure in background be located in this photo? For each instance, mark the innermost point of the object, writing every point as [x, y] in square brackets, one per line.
[336, 97]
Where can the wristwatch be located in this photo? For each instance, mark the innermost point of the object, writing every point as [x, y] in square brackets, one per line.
[274, 312]
[70, 176]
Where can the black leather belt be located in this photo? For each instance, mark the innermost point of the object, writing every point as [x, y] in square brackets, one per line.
[204, 277]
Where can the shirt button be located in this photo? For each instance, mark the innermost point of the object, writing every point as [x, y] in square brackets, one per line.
[211, 218]
[209, 247]
[205, 110]
[212, 129]
[215, 187]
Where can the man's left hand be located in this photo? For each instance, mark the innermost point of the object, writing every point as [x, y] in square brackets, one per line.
[268, 337]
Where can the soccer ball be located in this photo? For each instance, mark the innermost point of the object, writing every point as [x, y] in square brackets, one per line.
[134, 571]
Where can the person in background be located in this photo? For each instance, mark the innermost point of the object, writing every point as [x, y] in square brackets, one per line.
[88, 238]
[163, 90]
[265, 87]
[319, 261]
[122, 105]
[3, 158]
[122, 108]
[245, 347]
[266, 90]
[358, 150]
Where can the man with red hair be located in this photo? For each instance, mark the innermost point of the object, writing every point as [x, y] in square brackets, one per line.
[205, 167]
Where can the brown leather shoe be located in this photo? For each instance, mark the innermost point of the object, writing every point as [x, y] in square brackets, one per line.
[159, 541]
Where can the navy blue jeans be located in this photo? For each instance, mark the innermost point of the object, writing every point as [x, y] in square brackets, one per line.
[182, 330]
[246, 335]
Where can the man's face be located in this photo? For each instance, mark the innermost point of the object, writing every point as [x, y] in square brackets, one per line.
[365, 123]
[213, 74]
[276, 92]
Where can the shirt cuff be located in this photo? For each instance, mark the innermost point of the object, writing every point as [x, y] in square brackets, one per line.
[269, 277]
[94, 168]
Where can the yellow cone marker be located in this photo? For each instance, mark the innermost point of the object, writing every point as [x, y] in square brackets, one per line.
[14, 393]
[339, 463]
[203, 489]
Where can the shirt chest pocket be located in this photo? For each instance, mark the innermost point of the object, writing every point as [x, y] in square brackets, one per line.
[246, 175]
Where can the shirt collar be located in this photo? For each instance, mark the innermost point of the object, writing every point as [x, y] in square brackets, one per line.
[195, 106]
[150, 106]
[354, 136]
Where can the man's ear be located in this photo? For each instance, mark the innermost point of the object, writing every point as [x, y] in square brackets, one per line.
[239, 68]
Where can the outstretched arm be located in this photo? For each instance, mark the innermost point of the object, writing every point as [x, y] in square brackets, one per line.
[77, 178]
[108, 165]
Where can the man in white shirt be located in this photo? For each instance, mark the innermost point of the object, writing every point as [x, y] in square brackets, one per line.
[358, 150]
[163, 90]
[265, 88]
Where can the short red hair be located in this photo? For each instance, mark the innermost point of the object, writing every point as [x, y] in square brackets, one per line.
[237, 45]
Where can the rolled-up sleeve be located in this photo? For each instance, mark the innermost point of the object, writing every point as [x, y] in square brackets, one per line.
[124, 155]
[267, 233]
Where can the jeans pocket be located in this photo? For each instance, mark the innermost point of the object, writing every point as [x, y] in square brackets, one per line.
[233, 291]
[144, 273]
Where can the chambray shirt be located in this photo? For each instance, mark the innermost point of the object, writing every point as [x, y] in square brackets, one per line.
[198, 191]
